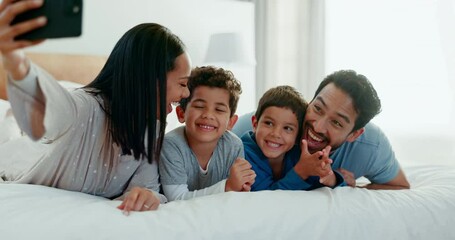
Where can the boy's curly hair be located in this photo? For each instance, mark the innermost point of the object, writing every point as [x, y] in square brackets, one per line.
[214, 77]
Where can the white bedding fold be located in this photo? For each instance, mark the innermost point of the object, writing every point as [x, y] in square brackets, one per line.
[424, 212]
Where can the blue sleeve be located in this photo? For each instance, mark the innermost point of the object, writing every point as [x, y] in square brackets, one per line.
[264, 175]
[370, 155]
[385, 166]
[291, 181]
[339, 180]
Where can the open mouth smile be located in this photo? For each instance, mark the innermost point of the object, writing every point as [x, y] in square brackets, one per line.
[313, 136]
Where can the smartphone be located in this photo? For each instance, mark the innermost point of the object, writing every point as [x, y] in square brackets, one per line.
[64, 19]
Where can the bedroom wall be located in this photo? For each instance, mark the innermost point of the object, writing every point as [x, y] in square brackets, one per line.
[194, 21]
[409, 56]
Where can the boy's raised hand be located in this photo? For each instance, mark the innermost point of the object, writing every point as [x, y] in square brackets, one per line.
[316, 164]
[241, 176]
[139, 199]
[329, 179]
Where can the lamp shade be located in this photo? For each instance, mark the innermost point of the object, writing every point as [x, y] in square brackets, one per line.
[226, 48]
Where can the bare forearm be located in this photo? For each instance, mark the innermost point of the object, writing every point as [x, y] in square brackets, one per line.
[375, 186]
[329, 180]
[399, 182]
[16, 64]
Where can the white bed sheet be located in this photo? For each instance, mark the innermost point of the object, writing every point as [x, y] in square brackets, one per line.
[37, 212]
[424, 212]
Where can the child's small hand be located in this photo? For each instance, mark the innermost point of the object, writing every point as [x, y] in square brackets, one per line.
[326, 175]
[325, 170]
[247, 186]
[316, 164]
[139, 199]
[241, 176]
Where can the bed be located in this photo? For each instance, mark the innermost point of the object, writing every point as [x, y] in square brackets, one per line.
[426, 211]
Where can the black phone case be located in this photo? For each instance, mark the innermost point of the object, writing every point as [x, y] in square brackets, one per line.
[64, 19]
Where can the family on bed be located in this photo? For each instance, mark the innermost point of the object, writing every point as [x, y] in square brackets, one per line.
[108, 138]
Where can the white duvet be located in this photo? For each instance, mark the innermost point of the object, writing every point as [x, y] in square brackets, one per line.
[424, 212]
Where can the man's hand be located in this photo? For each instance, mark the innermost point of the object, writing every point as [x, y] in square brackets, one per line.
[139, 199]
[348, 176]
[241, 176]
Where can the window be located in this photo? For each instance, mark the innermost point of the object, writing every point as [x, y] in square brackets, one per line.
[406, 48]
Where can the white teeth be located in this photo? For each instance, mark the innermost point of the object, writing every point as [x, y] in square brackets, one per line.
[314, 137]
[175, 104]
[272, 144]
[206, 127]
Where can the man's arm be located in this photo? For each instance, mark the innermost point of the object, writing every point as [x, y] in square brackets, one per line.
[399, 182]
[372, 157]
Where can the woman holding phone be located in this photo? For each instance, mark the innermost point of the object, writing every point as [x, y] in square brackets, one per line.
[105, 137]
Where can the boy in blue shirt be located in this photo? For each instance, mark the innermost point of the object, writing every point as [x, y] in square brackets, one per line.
[339, 116]
[204, 157]
[276, 129]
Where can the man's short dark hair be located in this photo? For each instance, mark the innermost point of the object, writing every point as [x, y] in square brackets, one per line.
[365, 99]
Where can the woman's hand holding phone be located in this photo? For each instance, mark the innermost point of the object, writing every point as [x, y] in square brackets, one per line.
[14, 61]
[64, 19]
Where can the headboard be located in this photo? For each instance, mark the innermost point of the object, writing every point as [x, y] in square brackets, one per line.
[70, 67]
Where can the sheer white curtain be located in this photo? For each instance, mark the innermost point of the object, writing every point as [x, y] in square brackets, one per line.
[406, 48]
[289, 44]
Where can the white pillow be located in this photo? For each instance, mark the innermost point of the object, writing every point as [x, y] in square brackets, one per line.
[8, 126]
[18, 156]
[14, 161]
[4, 106]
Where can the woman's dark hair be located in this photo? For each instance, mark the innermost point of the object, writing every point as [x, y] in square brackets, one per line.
[365, 98]
[132, 84]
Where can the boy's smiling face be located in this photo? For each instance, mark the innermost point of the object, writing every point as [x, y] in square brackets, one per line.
[207, 115]
[276, 132]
